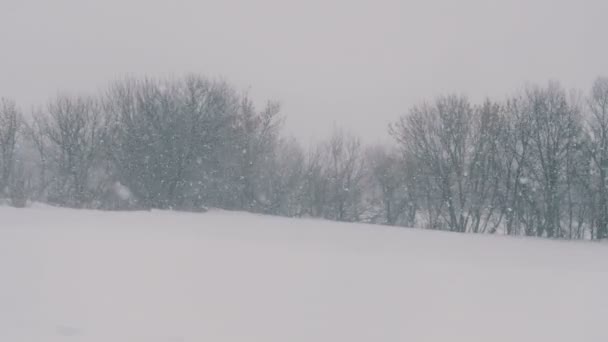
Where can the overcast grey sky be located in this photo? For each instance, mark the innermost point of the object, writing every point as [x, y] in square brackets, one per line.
[358, 64]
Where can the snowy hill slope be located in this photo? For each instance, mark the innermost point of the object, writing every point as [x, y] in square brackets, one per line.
[68, 275]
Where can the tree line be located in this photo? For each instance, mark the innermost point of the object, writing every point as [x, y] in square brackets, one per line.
[535, 163]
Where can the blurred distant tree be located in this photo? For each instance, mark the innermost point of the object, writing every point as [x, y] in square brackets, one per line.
[10, 121]
[72, 131]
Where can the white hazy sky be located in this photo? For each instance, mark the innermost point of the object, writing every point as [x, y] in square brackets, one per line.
[358, 64]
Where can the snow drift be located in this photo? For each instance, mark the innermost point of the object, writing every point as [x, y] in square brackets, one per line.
[69, 275]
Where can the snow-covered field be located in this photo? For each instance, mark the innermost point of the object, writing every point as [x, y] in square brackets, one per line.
[68, 275]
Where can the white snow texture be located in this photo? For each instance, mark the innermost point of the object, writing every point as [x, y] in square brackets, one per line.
[76, 275]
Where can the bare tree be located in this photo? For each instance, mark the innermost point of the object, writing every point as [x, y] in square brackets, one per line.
[555, 131]
[162, 134]
[73, 130]
[597, 129]
[256, 140]
[455, 146]
[484, 169]
[333, 183]
[438, 136]
[394, 177]
[345, 172]
[283, 184]
[10, 120]
[315, 186]
[34, 134]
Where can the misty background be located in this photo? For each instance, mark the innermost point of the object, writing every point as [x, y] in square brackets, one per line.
[475, 117]
[356, 64]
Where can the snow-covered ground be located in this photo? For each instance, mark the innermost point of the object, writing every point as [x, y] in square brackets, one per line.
[68, 275]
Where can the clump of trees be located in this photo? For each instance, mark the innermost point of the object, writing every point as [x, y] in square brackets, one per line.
[533, 164]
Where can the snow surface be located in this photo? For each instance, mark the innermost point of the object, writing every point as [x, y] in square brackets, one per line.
[69, 275]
